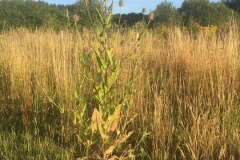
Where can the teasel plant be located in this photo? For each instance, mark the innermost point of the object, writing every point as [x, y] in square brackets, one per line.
[121, 4]
[143, 12]
[105, 133]
[75, 18]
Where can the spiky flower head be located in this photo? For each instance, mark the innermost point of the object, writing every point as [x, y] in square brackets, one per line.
[86, 2]
[151, 16]
[86, 50]
[75, 17]
[121, 3]
[137, 36]
[101, 4]
[144, 10]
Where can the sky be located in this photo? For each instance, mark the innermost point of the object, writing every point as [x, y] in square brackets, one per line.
[129, 5]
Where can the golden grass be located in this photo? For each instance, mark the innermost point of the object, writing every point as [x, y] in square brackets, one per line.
[186, 94]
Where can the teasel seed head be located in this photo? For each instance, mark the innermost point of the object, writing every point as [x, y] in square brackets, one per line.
[144, 11]
[135, 50]
[137, 36]
[101, 4]
[104, 37]
[75, 17]
[121, 3]
[86, 2]
[86, 50]
[151, 16]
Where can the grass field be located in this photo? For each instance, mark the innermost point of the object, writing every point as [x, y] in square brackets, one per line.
[185, 93]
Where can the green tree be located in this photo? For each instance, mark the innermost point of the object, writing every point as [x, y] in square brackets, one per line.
[128, 19]
[86, 10]
[31, 14]
[166, 14]
[232, 4]
[204, 12]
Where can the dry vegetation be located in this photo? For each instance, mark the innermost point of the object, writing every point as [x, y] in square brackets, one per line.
[186, 93]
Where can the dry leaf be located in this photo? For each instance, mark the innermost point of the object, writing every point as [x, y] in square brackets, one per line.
[109, 150]
[115, 123]
[96, 120]
[123, 138]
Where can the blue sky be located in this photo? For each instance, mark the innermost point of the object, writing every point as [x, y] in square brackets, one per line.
[130, 5]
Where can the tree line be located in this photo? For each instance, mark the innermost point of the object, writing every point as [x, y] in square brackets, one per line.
[39, 14]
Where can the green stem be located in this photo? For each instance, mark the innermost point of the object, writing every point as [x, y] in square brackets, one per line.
[89, 14]
[120, 16]
[148, 23]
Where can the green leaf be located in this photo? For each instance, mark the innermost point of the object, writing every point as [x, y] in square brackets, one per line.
[102, 63]
[80, 139]
[77, 115]
[76, 95]
[101, 130]
[100, 16]
[130, 120]
[77, 100]
[83, 111]
[113, 77]
[123, 138]
[99, 93]
[80, 116]
[108, 23]
[113, 120]
[110, 56]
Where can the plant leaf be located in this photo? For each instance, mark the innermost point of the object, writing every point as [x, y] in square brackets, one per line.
[109, 150]
[133, 117]
[97, 124]
[96, 120]
[83, 111]
[113, 158]
[113, 77]
[102, 63]
[110, 56]
[99, 93]
[113, 120]
[108, 23]
[100, 16]
[123, 138]
[102, 133]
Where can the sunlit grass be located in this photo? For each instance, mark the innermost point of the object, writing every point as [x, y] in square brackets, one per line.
[186, 93]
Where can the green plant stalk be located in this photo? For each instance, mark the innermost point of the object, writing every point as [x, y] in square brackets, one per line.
[89, 14]
[106, 116]
[120, 16]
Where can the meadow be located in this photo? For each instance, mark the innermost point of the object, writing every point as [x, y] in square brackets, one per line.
[180, 93]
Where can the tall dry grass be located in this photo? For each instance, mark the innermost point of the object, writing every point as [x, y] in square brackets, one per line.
[186, 93]
[189, 94]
